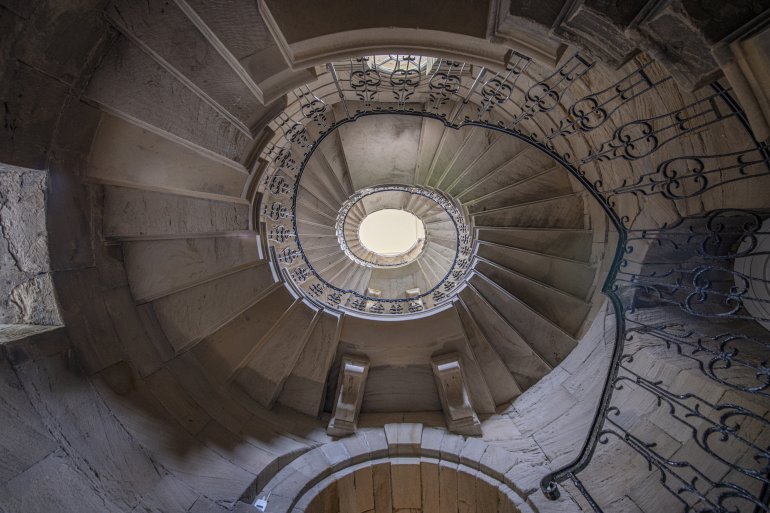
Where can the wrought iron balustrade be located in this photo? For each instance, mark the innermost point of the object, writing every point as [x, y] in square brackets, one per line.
[689, 282]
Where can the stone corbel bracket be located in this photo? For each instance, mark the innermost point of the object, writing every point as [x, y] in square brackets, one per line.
[349, 395]
[455, 400]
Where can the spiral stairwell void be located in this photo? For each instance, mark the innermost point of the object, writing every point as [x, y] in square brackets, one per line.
[233, 337]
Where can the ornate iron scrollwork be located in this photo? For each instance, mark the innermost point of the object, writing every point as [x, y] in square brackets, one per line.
[674, 288]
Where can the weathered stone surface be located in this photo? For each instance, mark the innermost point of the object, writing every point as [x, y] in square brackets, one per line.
[227, 349]
[170, 494]
[33, 101]
[89, 324]
[304, 388]
[403, 439]
[272, 360]
[157, 268]
[70, 218]
[398, 154]
[123, 153]
[26, 291]
[24, 439]
[63, 38]
[168, 32]
[137, 213]
[122, 84]
[53, 484]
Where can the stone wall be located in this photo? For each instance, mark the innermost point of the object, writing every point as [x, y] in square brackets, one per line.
[27, 299]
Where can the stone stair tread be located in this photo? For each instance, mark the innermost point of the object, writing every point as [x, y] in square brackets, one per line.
[191, 314]
[501, 385]
[223, 352]
[517, 353]
[546, 338]
[574, 277]
[558, 306]
[171, 35]
[263, 375]
[556, 212]
[131, 83]
[570, 244]
[304, 389]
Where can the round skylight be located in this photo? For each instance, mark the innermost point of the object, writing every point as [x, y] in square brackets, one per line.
[391, 232]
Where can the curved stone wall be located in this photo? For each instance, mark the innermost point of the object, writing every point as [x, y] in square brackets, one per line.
[405, 466]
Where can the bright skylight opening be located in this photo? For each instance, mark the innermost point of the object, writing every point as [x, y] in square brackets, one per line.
[391, 232]
[394, 62]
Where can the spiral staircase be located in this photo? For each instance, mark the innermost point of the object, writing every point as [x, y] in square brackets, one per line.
[229, 338]
[517, 316]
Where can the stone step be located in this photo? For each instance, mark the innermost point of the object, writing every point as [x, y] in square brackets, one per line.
[237, 31]
[306, 198]
[333, 271]
[161, 267]
[320, 242]
[319, 166]
[416, 204]
[316, 179]
[310, 229]
[435, 215]
[522, 361]
[360, 211]
[134, 213]
[131, 84]
[449, 142]
[548, 340]
[546, 184]
[228, 348]
[571, 276]
[572, 244]
[335, 168]
[432, 269]
[561, 308]
[438, 261]
[165, 32]
[334, 155]
[431, 131]
[526, 164]
[325, 263]
[341, 277]
[275, 355]
[191, 314]
[125, 154]
[310, 198]
[317, 252]
[441, 230]
[474, 147]
[307, 212]
[485, 144]
[497, 379]
[364, 278]
[357, 278]
[494, 160]
[356, 215]
[389, 199]
[557, 212]
[304, 389]
[443, 254]
[472, 141]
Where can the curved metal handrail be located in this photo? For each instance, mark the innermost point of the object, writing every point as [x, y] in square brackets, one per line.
[630, 141]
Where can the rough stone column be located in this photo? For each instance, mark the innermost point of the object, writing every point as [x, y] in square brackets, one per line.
[27, 300]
